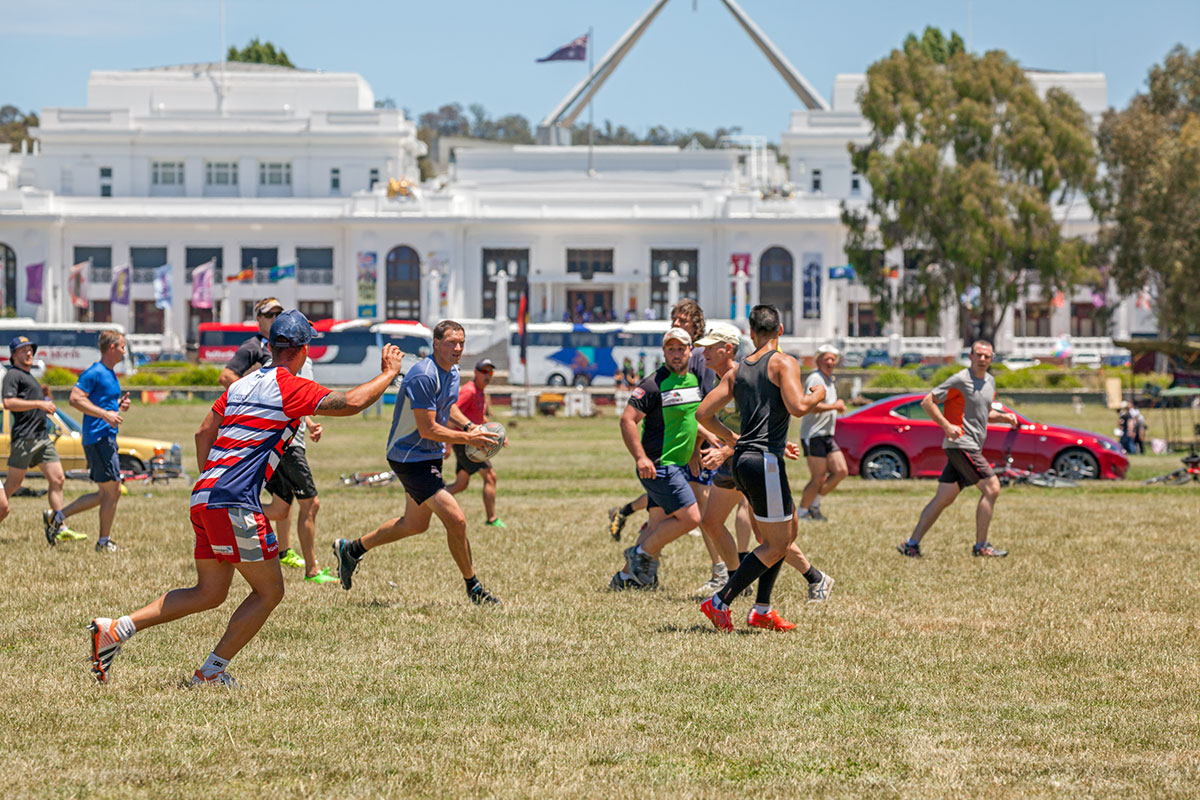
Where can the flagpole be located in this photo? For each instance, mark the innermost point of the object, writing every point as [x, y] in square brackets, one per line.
[591, 116]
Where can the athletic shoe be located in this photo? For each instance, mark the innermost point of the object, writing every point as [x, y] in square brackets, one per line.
[770, 621]
[722, 619]
[108, 547]
[815, 515]
[910, 550]
[616, 521]
[324, 576]
[641, 566]
[819, 592]
[987, 551]
[65, 534]
[222, 678]
[496, 523]
[104, 646]
[715, 584]
[346, 562]
[482, 597]
[51, 527]
[291, 558]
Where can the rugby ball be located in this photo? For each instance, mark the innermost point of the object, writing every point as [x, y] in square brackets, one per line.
[483, 454]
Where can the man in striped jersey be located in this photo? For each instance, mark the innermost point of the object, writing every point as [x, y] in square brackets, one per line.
[238, 446]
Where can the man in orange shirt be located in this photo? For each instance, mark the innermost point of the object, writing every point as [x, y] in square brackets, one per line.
[473, 403]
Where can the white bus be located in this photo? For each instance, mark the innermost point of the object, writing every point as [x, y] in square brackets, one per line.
[69, 345]
[565, 353]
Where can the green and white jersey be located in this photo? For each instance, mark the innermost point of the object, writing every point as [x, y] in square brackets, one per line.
[669, 402]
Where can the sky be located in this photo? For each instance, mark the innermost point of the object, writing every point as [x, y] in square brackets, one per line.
[693, 69]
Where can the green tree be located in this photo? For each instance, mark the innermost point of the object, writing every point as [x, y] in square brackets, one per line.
[965, 163]
[260, 53]
[14, 126]
[1150, 196]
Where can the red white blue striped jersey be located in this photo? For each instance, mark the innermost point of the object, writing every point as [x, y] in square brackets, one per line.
[259, 416]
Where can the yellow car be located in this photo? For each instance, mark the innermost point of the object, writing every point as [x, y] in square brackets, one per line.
[136, 454]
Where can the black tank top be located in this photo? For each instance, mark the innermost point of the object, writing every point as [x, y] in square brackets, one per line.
[765, 418]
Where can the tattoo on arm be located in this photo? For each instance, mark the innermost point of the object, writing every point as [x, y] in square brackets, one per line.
[334, 401]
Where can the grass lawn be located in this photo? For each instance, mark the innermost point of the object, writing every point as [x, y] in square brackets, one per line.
[1068, 669]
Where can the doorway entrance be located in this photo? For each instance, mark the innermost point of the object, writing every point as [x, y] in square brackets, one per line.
[590, 305]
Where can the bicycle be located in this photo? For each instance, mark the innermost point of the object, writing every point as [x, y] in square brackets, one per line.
[1014, 476]
[1190, 471]
[368, 479]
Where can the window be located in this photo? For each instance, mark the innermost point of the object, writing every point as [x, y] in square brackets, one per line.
[145, 260]
[864, 321]
[97, 311]
[1084, 320]
[8, 265]
[335, 181]
[685, 263]
[516, 264]
[101, 258]
[855, 183]
[316, 309]
[1032, 320]
[911, 410]
[816, 181]
[402, 287]
[776, 269]
[67, 182]
[260, 259]
[248, 310]
[220, 173]
[106, 181]
[374, 178]
[147, 318]
[106, 172]
[166, 173]
[275, 173]
[586, 263]
[314, 265]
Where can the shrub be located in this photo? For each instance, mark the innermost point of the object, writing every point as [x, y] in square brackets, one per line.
[893, 378]
[57, 376]
[1063, 380]
[144, 379]
[943, 373]
[1018, 379]
[206, 375]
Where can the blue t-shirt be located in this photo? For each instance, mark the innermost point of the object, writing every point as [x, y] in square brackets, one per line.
[101, 386]
[429, 387]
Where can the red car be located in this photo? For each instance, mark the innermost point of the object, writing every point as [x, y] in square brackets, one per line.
[895, 438]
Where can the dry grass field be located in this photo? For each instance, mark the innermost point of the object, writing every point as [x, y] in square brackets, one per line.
[1068, 669]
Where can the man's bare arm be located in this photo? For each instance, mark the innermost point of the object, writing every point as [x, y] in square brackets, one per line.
[787, 378]
[227, 377]
[931, 408]
[714, 401]
[459, 418]
[429, 428]
[363, 396]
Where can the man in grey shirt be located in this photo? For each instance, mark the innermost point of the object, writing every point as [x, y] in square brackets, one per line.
[826, 462]
[968, 396]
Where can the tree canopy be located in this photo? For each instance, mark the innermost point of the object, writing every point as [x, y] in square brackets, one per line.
[1150, 195]
[260, 53]
[965, 163]
[14, 126]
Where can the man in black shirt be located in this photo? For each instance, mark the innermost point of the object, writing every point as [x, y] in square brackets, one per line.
[31, 444]
[253, 353]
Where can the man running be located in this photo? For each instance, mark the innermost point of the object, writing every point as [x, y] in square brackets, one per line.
[968, 395]
[237, 448]
[767, 390]
[472, 402]
[424, 421]
[97, 395]
[826, 462]
[30, 442]
[665, 403]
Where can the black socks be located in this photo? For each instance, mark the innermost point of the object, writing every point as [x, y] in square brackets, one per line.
[813, 575]
[471, 582]
[355, 549]
[766, 583]
[627, 510]
[747, 573]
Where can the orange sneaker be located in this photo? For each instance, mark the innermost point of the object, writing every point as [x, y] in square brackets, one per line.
[770, 621]
[721, 618]
[104, 646]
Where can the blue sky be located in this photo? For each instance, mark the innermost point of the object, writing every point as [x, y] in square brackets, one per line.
[694, 68]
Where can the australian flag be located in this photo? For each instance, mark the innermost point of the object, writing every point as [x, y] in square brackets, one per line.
[575, 51]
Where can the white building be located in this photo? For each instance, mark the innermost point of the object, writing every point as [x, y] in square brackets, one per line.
[260, 166]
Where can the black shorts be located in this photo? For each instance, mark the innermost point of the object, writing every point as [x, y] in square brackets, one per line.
[465, 464]
[292, 479]
[761, 477]
[819, 446]
[965, 467]
[723, 477]
[421, 479]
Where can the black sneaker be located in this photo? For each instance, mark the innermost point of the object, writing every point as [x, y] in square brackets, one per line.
[815, 515]
[987, 551]
[616, 522]
[346, 562]
[910, 550]
[482, 597]
[51, 526]
[641, 566]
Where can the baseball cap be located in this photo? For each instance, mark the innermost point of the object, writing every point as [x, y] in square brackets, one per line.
[720, 333]
[679, 334]
[291, 329]
[267, 304]
[828, 348]
[21, 341]
[484, 363]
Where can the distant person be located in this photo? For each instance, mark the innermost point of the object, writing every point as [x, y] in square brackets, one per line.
[97, 395]
[472, 402]
[30, 442]
[1128, 427]
[826, 461]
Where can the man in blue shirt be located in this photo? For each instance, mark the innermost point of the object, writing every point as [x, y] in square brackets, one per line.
[97, 394]
[424, 421]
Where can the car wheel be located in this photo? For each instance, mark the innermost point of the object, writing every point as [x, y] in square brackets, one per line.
[1076, 464]
[556, 380]
[582, 381]
[131, 464]
[883, 464]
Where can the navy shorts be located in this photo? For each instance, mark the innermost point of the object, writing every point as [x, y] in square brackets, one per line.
[104, 464]
[421, 479]
[705, 478]
[668, 489]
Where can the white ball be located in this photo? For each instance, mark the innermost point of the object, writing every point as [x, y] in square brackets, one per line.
[483, 454]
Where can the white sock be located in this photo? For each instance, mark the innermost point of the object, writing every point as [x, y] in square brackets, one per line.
[801, 512]
[59, 519]
[213, 665]
[103, 540]
[816, 503]
[640, 551]
[762, 609]
[625, 576]
[718, 604]
[125, 628]
[720, 569]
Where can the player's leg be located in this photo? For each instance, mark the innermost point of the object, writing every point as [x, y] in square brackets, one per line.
[11, 484]
[816, 480]
[462, 479]
[110, 495]
[212, 587]
[944, 497]
[489, 494]
[617, 515]
[55, 480]
[446, 508]
[743, 528]
[989, 492]
[306, 531]
[673, 526]
[835, 463]
[266, 592]
[415, 520]
[712, 524]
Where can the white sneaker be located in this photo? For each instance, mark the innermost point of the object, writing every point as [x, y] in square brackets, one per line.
[222, 678]
[819, 592]
[715, 584]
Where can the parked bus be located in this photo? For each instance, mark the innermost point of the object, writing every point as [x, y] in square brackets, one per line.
[69, 345]
[564, 353]
[344, 352]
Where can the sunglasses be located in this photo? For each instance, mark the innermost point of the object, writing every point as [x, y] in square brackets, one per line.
[270, 314]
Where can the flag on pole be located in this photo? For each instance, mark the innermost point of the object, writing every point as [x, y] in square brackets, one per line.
[34, 278]
[120, 286]
[279, 272]
[202, 284]
[245, 276]
[575, 51]
[162, 286]
[523, 320]
[842, 272]
[77, 284]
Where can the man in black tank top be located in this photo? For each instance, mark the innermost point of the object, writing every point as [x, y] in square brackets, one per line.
[767, 390]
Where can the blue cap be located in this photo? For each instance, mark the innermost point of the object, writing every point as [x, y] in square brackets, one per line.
[291, 329]
[21, 341]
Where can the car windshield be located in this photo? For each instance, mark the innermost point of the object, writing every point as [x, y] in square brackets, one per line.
[68, 423]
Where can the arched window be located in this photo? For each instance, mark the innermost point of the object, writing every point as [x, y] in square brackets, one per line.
[8, 262]
[812, 286]
[403, 283]
[775, 273]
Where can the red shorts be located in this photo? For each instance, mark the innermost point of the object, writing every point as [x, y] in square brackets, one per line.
[232, 534]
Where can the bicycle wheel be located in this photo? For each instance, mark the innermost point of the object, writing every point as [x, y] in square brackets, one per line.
[1052, 482]
[1170, 477]
[1182, 479]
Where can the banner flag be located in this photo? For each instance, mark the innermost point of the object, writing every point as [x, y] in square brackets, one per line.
[842, 271]
[575, 51]
[34, 277]
[368, 276]
[77, 284]
[523, 320]
[245, 276]
[162, 286]
[202, 284]
[281, 271]
[120, 286]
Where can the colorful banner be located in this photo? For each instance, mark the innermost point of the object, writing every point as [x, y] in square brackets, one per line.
[77, 284]
[811, 286]
[368, 277]
[279, 272]
[245, 276]
[119, 295]
[523, 322]
[575, 51]
[842, 272]
[202, 284]
[162, 286]
[739, 263]
[35, 275]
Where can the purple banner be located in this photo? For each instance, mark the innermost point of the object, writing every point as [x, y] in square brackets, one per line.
[120, 285]
[202, 285]
[34, 278]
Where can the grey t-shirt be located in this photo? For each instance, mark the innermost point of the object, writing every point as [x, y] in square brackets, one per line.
[968, 401]
[822, 423]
